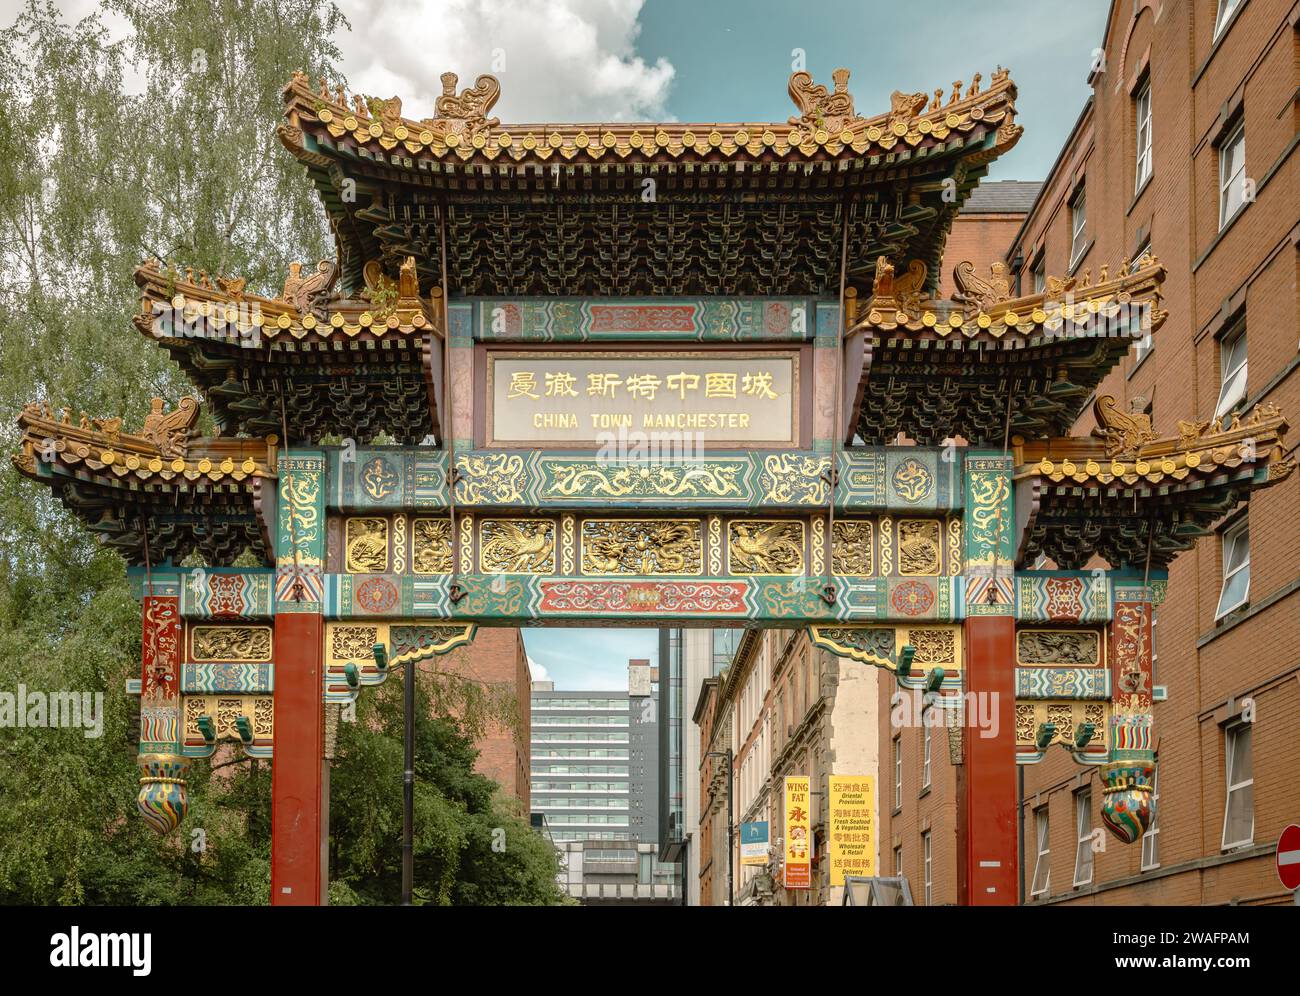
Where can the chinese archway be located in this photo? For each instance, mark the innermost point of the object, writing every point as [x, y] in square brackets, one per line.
[528, 311]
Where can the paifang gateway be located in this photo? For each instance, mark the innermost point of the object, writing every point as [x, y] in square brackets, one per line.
[501, 291]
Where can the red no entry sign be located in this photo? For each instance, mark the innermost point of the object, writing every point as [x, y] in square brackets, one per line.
[1288, 857]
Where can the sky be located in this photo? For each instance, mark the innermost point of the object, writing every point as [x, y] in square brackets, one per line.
[706, 61]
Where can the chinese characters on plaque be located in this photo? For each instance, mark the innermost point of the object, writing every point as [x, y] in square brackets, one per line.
[566, 398]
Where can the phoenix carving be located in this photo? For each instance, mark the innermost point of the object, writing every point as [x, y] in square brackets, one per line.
[170, 431]
[1121, 432]
[978, 293]
[766, 547]
[309, 294]
[819, 107]
[517, 546]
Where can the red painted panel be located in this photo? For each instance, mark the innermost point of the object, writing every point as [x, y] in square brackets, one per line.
[297, 792]
[987, 786]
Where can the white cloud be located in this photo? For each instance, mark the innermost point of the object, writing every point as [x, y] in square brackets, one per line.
[564, 60]
[536, 672]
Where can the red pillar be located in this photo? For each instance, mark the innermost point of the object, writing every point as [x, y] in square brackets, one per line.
[297, 790]
[986, 780]
[299, 815]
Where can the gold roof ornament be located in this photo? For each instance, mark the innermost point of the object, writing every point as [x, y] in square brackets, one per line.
[831, 111]
[905, 293]
[309, 294]
[1122, 433]
[466, 114]
[828, 123]
[977, 293]
[170, 431]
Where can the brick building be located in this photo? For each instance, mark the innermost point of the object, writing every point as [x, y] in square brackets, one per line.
[1186, 149]
[497, 657]
[784, 707]
[985, 226]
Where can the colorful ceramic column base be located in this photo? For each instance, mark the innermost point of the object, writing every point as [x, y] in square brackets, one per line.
[1127, 807]
[162, 798]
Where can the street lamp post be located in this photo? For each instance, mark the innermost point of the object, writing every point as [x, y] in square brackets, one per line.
[731, 823]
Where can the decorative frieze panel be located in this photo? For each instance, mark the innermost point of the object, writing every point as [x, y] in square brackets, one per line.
[225, 712]
[1061, 597]
[731, 319]
[209, 593]
[354, 642]
[899, 480]
[882, 646]
[1061, 718]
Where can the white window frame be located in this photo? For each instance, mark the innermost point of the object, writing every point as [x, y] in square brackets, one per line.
[1144, 166]
[1043, 858]
[1223, 15]
[898, 861]
[1078, 226]
[929, 868]
[1232, 375]
[1151, 839]
[1236, 538]
[1147, 342]
[898, 772]
[1231, 744]
[1039, 273]
[1227, 183]
[1083, 834]
[925, 752]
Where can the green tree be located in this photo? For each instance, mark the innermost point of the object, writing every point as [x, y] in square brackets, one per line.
[159, 142]
[471, 846]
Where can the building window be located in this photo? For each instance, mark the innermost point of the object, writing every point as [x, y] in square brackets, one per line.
[1142, 105]
[1083, 846]
[1039, 273]
[1224, 15]
[1232, 175]
[1236, 569]
[1232, 370]
[1078, 226]
[929, 879]
[925, 754]
[1043, 861]
[898, 861]
[1147, 342]
[898, 773]
[1239, 811]
[1151, 839]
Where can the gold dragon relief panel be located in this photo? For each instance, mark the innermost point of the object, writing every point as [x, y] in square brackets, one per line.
[230, 643]
[1066, 717]
[516, 546]
[1060, 648]
[920, 542]
[365, 545]
[852, 547]
[650, 547]
[431, 546]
